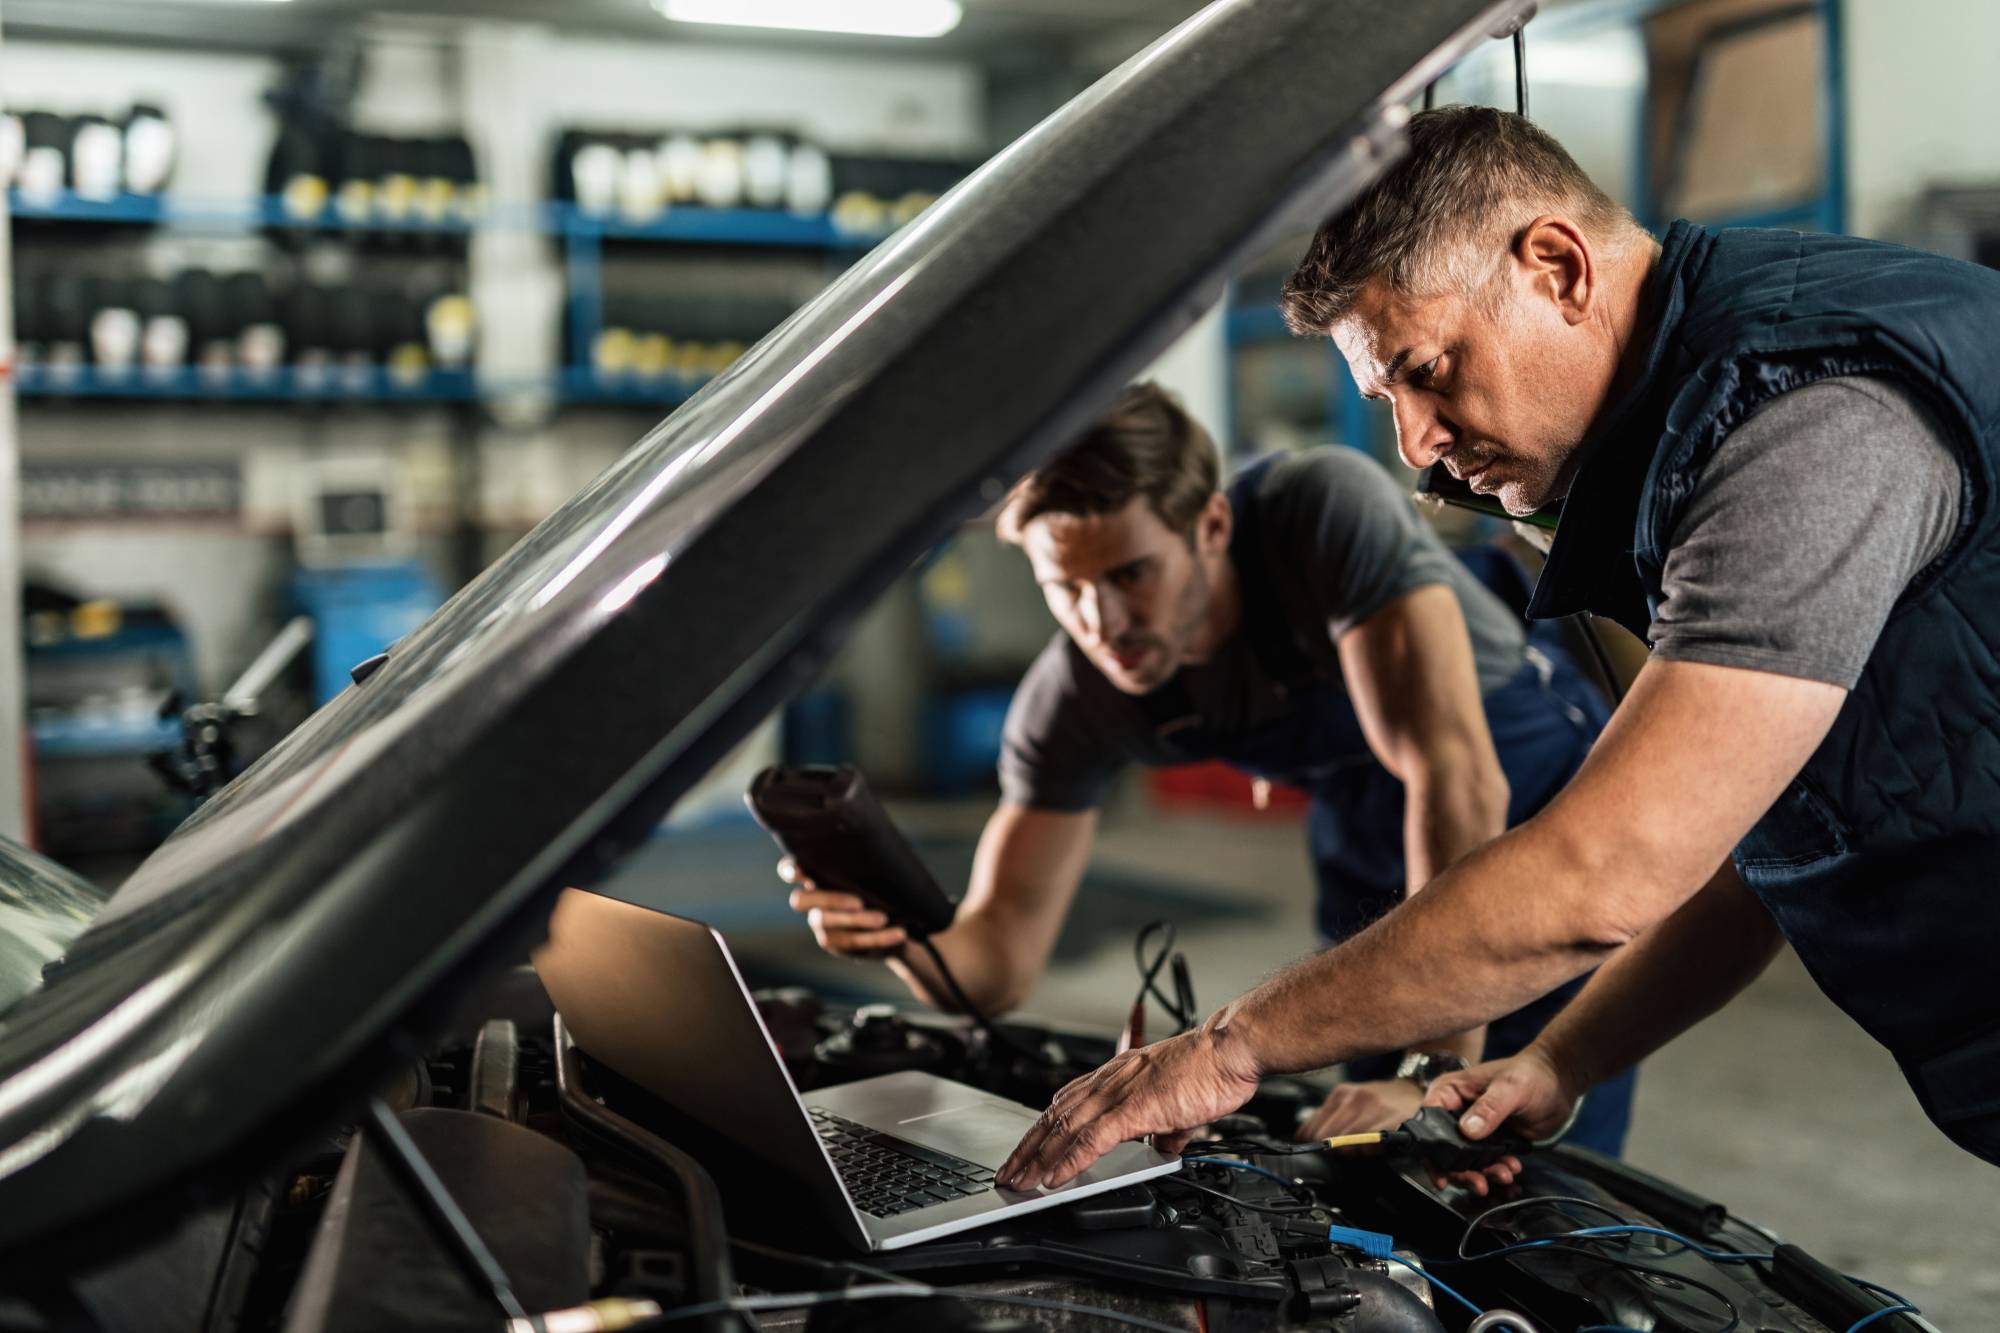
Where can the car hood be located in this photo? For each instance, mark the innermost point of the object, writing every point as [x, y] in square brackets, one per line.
[247, 980]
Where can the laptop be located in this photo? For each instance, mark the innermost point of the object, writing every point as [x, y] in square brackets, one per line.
[897, 1159]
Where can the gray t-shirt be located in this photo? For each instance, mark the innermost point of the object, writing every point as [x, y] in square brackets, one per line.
[1805, 529]
[1345, 540]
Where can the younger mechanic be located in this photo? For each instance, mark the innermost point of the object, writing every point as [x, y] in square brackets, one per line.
[1303, 625]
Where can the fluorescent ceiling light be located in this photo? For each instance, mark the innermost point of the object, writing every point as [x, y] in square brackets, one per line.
[871, 18]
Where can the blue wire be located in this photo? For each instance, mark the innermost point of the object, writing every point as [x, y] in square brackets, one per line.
[1716, 1256]
[1436, 1282]
[1883, 1313]
[1243, 1166]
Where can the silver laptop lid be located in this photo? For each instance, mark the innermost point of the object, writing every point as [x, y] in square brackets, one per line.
[659, 999]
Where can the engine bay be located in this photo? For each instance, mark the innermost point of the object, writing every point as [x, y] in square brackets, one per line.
[584, 1188]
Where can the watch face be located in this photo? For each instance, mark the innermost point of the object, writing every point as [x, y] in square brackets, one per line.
[1423, 1067]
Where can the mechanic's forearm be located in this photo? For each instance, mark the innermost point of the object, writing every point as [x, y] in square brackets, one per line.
[1457, 955]
[1464, 808]
[982, 966]
[1666, 981]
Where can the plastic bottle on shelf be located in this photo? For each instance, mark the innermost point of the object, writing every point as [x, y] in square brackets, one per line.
[719, 182]
[96, 159]
[260, 340]
[355, 173]
[448, 330]
[402, 341]
[808, 179]
[150, 149]
[308, 336]
[44, 158]
[679, 159]
[114, 328]
[594, 174]
[639, 193]
[297, 174]
[766, 163]
[197, 295]
[163, 333]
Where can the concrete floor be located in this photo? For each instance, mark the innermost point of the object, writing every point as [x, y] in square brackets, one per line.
[1779, 1108]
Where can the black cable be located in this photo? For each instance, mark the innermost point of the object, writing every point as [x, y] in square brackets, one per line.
[1521, 72]
[1182, 1011]
[973, 1011]
[1559, 1202]
[1296, 1210]
[1184, 991]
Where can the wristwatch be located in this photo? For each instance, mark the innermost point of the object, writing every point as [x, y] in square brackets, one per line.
[1425, 1067]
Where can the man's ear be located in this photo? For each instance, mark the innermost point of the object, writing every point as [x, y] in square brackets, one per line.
[1214, 526]
[1559, 264]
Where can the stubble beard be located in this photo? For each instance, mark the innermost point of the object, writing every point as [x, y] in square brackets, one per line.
[1190, 613]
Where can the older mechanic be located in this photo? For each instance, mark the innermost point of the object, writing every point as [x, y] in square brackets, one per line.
[1305, 625]
[1777, 453]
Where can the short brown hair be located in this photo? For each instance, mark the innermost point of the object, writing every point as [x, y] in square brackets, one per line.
[1474, 177]
[1147, 445]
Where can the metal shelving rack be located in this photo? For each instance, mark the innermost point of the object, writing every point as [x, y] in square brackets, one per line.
[581, 234]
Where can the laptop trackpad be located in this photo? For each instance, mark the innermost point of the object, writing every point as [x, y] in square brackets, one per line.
[979, 1131]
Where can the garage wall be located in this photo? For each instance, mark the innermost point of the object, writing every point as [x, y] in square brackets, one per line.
[1923, 95]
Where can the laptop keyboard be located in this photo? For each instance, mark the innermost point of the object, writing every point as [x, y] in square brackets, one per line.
[888, 1176]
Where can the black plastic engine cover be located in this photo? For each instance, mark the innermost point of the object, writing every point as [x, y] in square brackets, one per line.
[376, 1266]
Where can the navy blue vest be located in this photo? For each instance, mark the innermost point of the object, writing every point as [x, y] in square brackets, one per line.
[1881, 862]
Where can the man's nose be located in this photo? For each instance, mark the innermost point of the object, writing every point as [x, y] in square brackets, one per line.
[1421, 438]
[1101, 612]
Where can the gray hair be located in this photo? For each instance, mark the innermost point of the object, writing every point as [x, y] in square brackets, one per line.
[1439, 219]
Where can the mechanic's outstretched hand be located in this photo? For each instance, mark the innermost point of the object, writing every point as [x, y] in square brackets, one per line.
[1526, 1092]
[1168, 1090]
[1355, 1108]
[844, 925]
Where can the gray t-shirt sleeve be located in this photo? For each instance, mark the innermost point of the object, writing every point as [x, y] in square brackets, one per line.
[1804, 530]
[1366, 544]
[1060, 747]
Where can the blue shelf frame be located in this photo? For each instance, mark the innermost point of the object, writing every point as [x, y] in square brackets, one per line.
[227, 214]
[583, 237]
[285, 384]
[582, 384]
[81, 736]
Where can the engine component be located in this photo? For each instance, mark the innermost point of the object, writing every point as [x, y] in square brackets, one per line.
[878, 1041]
[377, 1266]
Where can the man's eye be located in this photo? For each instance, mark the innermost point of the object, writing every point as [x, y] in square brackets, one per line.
[1128, 576]
[1422, 374]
